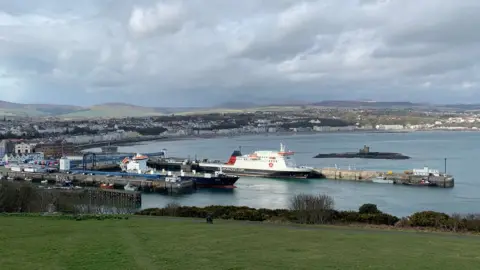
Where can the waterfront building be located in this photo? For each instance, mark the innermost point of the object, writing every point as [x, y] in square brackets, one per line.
[24, 148]
[6, 147]
[390, 127]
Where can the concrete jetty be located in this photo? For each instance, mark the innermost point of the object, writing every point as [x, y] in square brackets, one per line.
[143, 184]
[398, 178]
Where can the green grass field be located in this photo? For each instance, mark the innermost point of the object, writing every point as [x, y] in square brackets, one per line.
[163, 243]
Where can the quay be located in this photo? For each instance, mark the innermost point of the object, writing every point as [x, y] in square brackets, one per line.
[144, 183]
[396, 178]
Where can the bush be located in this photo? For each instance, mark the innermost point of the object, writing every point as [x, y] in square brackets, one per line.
[312, 209]
[379, 219]
[346, 217]
[368, 208]
[471, 222]
[172, 208]
[403, 223]
[429, 219]
[317, 209]
[316, 212]
[221, 212]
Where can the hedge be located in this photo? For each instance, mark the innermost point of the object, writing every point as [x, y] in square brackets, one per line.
[368, 214]
[252, 214]
[66, 216]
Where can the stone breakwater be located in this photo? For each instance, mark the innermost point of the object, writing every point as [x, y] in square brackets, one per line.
[443, 181]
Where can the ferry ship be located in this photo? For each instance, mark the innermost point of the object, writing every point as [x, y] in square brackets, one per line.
[138, 165]
[269, 164]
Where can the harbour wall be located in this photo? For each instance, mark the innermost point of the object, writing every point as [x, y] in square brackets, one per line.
[443, 181]
[149, 183]
[144, 184]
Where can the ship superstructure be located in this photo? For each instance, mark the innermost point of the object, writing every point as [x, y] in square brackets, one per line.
[137, 164]
[271, 164]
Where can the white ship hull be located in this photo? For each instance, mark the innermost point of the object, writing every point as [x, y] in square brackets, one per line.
[271, 164]
[382, 181]
[257, 172]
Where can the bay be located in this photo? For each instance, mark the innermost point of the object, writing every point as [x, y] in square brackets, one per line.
[424, 148]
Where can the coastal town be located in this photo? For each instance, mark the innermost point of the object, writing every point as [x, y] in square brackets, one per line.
[167, 134]
[56, 136]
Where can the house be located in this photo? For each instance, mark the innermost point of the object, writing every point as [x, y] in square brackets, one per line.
[24, 148]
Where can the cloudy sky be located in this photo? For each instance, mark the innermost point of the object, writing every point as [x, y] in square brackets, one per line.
[196, 53]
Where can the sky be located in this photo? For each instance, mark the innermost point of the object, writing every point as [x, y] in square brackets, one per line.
[189, 53]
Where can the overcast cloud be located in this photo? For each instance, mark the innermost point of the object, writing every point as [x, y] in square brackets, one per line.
[194, 53]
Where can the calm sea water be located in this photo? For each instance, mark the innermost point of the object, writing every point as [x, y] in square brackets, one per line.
[425, 148]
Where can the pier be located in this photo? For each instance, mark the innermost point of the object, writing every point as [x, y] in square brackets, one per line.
[91, 179]
[396, 178]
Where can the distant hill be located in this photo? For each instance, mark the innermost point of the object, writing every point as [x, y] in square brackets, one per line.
[18, 109]
[463, 107]
[371, 104]
[101, 110]
[109, 110]
[237, 105]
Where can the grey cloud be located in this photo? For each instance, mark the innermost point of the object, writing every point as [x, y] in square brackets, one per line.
[187, 53]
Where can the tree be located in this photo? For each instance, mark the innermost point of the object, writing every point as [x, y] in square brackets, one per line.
[369, 208]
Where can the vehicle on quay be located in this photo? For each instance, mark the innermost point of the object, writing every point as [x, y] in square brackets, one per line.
[106, 186]
[130, 187]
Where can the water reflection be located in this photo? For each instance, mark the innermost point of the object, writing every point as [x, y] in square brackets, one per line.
[216, 191]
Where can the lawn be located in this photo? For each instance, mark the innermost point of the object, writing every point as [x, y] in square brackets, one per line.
[168, 243]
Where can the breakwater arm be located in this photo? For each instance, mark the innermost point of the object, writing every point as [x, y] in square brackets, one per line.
[409, 179]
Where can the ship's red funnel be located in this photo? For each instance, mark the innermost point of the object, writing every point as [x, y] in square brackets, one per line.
[233, 157]
[232, 160]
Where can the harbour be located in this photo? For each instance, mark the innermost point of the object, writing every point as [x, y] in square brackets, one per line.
[425, 149]
[162, 134]
[339, 177]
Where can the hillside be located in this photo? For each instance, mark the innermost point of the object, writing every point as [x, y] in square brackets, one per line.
[113, 110]
[18, 109]
[368, 104]
[162, 243]
[109, 110]
[100, 110]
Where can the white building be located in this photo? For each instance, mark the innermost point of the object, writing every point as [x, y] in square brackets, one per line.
[64, 164]
[426, 172]
[389, 127]
[24, 148]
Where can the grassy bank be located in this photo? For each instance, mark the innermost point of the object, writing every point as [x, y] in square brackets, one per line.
[176, 243]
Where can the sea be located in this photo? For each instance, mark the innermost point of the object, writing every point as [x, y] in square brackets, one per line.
[460, 149]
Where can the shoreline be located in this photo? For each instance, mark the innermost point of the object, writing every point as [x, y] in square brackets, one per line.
[215, 136]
